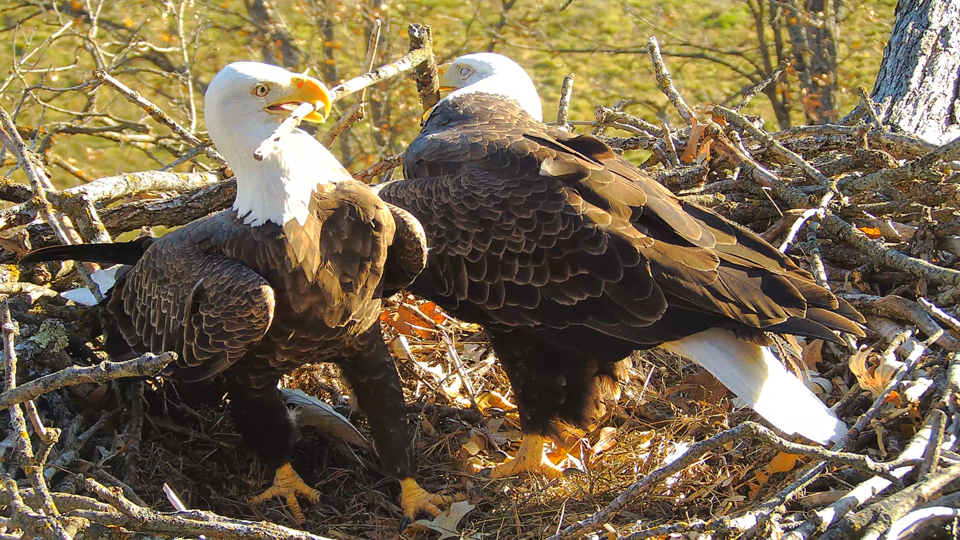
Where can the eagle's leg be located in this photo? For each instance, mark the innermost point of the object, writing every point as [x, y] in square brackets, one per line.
[556, 384]
[376, 384]
[263, 421]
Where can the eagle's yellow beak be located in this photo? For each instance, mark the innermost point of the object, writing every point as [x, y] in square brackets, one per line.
[303, 89]
[448, 77]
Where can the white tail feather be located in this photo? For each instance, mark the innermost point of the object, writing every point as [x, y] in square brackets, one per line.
[757, 377]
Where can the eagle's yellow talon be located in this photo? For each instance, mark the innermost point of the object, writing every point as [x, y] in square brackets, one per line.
[288, 484]
[414, 499]
[529, 458]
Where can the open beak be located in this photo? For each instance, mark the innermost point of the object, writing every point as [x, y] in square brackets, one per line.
[447, 79]
[304, 89]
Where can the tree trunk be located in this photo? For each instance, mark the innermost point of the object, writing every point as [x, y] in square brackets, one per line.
[813, 34]
[920, 72]
[278, 46]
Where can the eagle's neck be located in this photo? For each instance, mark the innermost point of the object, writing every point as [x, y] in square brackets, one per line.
[518, 88]
[279, 188]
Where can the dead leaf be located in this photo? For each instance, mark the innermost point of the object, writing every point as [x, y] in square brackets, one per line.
[813, 353]
[693, 142]
[431, 310]
[894, 398]
[446, 523]
[486, 400]
[756, 486]
[703, 155]
[407, 321]
[702, 386]
[782, 462]
[608, 440]
[471, 447]
[874, 377]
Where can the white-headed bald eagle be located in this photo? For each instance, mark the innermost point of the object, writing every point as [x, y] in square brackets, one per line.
[571, 258]
[292, 273]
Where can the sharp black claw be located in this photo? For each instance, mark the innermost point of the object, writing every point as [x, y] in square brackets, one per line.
[405, 522]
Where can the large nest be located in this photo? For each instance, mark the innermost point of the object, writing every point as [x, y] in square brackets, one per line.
[872, 213]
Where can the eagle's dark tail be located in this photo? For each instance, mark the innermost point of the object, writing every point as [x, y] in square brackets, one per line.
[114, 253]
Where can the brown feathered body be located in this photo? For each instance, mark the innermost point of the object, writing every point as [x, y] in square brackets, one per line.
[572, 258]
[255, 302]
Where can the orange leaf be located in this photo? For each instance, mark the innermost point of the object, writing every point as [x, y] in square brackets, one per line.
[871, 232]
[894, 398]
[431, 310]
[405, 321]
[690, 152]
[813, 353]
[782, 462]
[703, 155]
[755, 486]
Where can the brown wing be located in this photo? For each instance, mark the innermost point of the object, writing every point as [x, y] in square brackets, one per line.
[533, 226]
[182, 297]
[353, 229]
[407, 255]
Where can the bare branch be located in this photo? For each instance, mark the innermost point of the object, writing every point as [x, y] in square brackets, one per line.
[666, 82]
[147, 365]
[155, 112]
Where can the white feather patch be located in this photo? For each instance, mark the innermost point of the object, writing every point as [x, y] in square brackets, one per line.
[105, 279]
[759, 379]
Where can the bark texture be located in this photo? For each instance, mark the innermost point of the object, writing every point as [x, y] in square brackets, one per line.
[920, 72]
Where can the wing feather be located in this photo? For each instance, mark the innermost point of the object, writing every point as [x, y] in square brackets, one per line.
[560, 230]
[209, 309]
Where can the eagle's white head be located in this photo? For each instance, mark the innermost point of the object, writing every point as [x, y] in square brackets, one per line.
[492, 73]
[244, 104]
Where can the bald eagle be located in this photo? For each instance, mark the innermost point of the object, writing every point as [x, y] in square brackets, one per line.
[291, 274]
[572, 258]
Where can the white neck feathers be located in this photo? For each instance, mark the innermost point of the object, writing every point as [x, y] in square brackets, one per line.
[279, 188]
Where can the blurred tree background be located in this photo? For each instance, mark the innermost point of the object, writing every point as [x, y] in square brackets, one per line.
[169, 51]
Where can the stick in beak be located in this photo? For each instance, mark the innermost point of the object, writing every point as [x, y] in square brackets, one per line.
[307, 94]
[308, 89]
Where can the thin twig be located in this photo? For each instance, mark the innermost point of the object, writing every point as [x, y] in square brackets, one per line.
[147, 365]
[870, 106]
[666, 82]
[156, 113]
[757, 88]
[191, 523]
[377, 169]
[563, 110]
[739, 121]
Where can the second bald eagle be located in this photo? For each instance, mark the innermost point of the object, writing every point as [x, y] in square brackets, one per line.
[571, 258]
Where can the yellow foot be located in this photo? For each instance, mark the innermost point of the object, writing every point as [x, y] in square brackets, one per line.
[414, 499]
[288, 484]
[529, 458]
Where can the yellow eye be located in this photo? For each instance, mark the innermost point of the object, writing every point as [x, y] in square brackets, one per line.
[261, 90]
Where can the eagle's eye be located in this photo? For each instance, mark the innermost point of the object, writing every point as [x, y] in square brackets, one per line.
[465, 72]
[261, 90]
